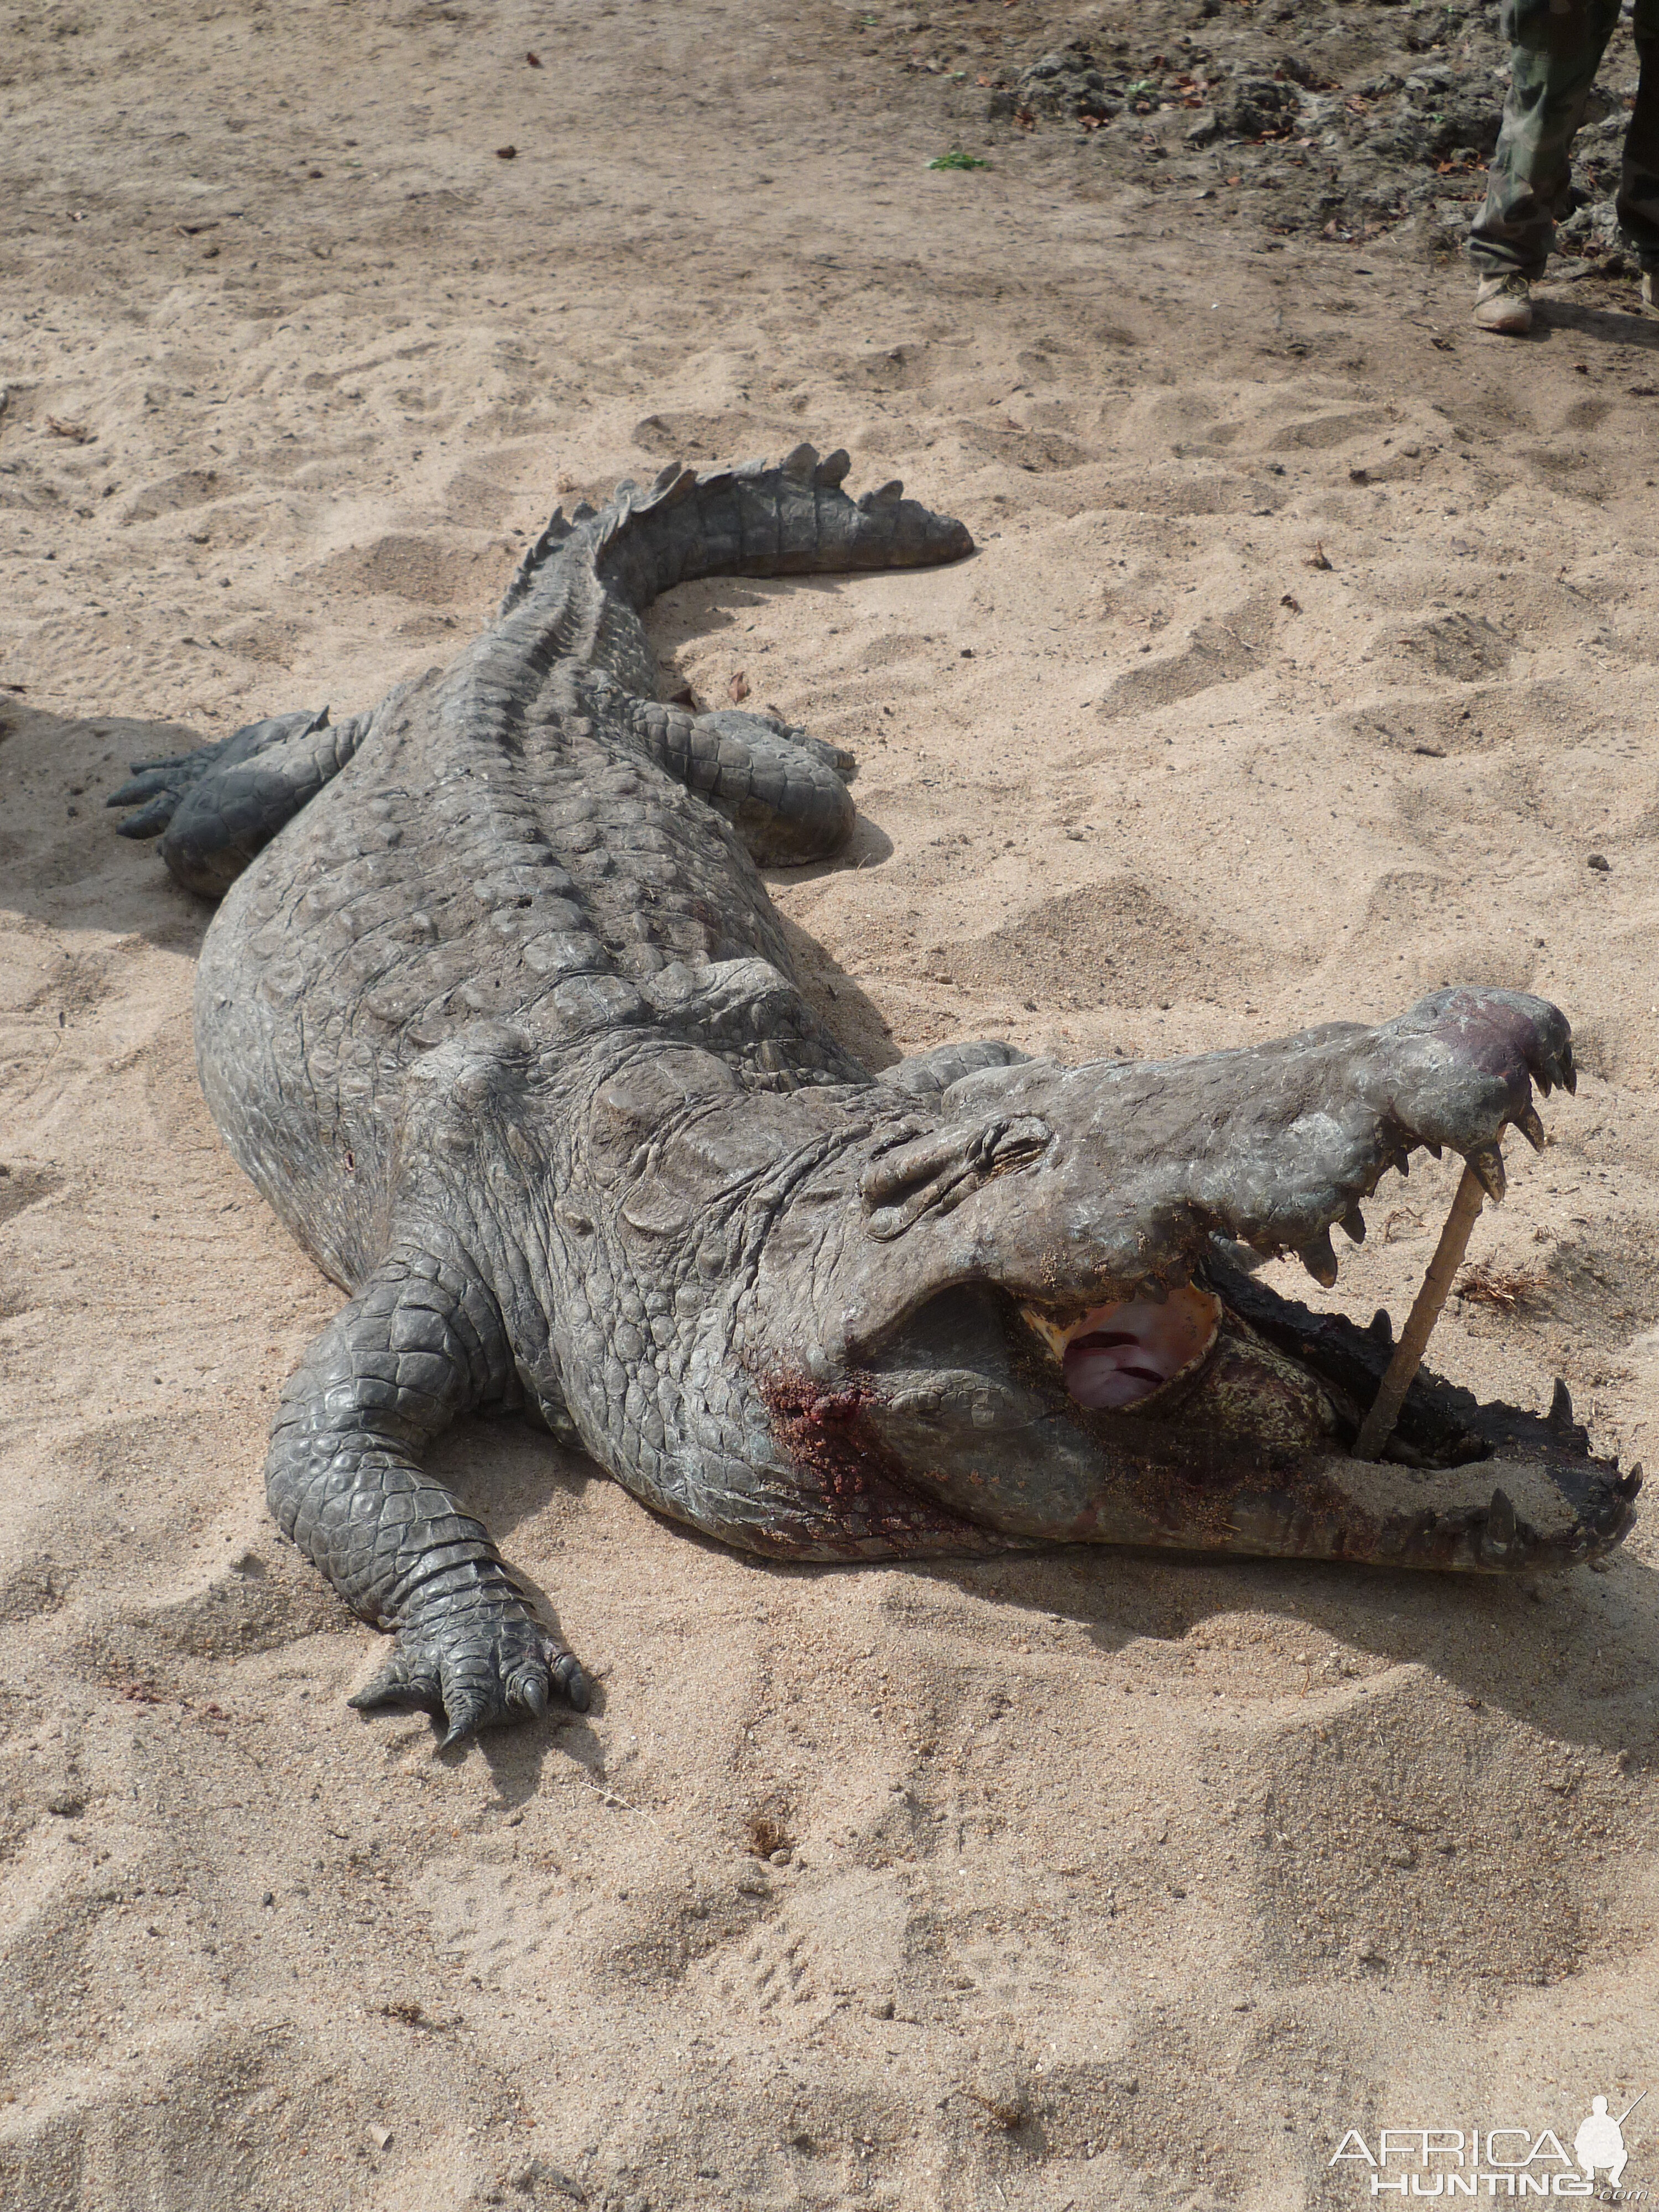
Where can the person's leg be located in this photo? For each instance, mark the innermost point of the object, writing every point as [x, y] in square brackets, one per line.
[1556, 48]
[1638, 186]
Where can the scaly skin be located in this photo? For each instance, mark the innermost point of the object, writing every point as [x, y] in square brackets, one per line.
[498, 1016]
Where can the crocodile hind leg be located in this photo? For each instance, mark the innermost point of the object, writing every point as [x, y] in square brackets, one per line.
[217, 807]
[423, 1341]
[928, 1075]
[784, 792]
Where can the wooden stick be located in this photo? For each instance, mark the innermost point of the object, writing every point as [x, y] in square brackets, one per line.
[1379, 1424]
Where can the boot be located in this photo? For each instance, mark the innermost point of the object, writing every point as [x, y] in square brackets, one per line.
[1505, 304]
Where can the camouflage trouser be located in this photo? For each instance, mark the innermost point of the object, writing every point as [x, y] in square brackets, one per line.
[1557, 47]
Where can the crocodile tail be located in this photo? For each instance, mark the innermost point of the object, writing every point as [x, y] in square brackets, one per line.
[787, 518]
[764, 519]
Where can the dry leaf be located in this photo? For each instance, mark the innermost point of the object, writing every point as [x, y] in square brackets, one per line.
[506, 152]
[77, 431]
[739, 688]
[1317, 559]
[1506, 1289]
[768, 1834]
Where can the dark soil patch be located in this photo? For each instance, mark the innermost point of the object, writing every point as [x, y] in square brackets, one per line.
[1343, 120]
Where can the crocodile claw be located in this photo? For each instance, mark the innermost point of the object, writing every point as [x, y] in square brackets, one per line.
[528, 1689]
[477, 1669]
[150, 819]
[401, 1681]
[158, 787]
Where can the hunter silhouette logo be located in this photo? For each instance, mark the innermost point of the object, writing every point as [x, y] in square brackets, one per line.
[1599, 2141]
[1493, 2161]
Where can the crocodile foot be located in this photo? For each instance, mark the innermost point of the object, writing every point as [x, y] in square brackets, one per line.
[160, 788]
[477, 1667]
[214, 809]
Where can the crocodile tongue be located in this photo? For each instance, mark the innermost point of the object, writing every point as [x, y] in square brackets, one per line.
[1122, 1355]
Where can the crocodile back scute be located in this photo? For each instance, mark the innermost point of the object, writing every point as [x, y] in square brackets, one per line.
[464, 866]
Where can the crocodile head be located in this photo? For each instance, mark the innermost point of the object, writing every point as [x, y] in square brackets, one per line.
[1031, 1310]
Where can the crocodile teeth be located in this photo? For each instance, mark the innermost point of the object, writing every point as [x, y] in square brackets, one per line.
[1530, 1126]
[1319, 1258]
[1499, 1532]
[1486, 1166]
[1353, 1225]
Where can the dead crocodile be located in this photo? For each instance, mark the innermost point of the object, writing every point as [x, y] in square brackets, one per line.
[497, 1014]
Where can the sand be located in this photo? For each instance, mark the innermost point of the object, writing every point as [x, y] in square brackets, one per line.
[1091, 1881]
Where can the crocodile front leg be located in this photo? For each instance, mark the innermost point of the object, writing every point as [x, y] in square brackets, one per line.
[423, 1342]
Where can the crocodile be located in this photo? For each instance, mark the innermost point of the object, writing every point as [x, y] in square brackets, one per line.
[496, 1011]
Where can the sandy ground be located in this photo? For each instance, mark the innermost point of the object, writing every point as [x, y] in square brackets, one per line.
[1082, 1881]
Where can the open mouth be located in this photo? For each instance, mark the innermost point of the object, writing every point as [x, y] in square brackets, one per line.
[1118, 1356]
[1224, 1357]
